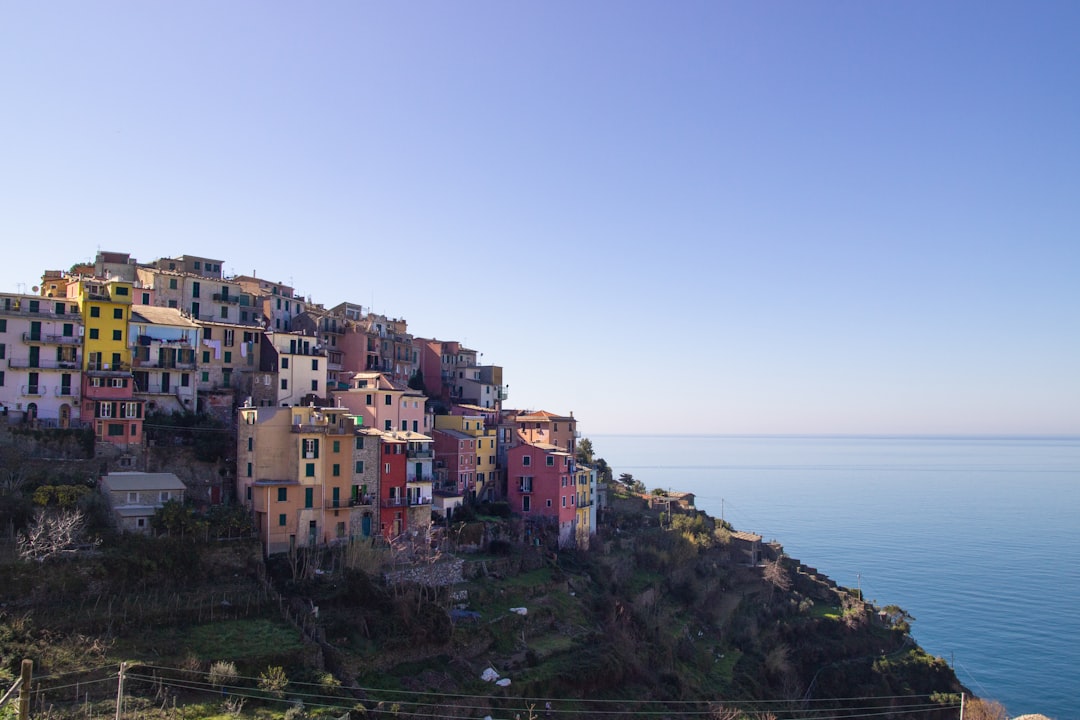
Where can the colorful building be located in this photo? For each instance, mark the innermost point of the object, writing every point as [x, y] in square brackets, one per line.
[41, 342]
[310, 476]
[108, 387]
[541, 488]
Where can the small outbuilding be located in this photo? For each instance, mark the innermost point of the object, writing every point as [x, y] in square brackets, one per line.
[135, 496]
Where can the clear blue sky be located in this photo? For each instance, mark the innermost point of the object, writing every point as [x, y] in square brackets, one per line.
[819, 217]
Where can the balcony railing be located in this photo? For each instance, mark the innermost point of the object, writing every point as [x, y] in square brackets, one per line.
[419, 454]
[525, 487]
[41, 364]
[362, 501]
[108, 367]
[323, 429]
[219, 297]
[65, 391]
[393, 502]
[417, 501]
[33, 390]
[52, 339]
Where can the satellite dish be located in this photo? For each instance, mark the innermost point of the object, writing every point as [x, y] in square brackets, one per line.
[34, 288]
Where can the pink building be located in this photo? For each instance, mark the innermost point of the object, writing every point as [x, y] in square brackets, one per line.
[540, 487]
[384, 404]
[455, 461]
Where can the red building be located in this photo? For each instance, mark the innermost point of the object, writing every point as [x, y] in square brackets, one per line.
[455, 461]
[393, 479]
[540, 486]
[108, 401]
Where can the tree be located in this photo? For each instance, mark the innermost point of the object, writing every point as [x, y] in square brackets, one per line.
[273, 680]
[416, 381]
[585, 452]
[777, 575]
[50, 534]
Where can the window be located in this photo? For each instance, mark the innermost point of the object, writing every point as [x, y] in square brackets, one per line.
[386, 470]
[389, 400]
[195, 309]
[388, 424]
[195, 289]
[251, 444]
[118, 335]
[146, 298]
[281, 519]
[550, 461]
[314, 364]
[230, 336]
[309, 470]
[309, 496]
[249, 471]
[205, 376]
[95, 311]
[118, 313]
[172, 283]
[133, 497]
[526, 503]
[404, 426]
[1, 378]
[284, 363]
[225, 312]
[69, 330]
[359, 467]
[314, 386]
[336, 470]
[163, 496]
[311, 448]
[116, 429]
[526, 461]
[370, 399]
[283, 494]
[284, 384]
[104, 410]
[93, 333]
[228, 356]
[198, 265]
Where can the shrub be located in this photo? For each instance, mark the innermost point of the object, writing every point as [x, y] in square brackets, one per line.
[222, 673]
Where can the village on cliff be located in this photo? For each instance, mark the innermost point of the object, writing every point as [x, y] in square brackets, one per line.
[347, 426]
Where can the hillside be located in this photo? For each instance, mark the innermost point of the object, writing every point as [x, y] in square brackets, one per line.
[660, 614]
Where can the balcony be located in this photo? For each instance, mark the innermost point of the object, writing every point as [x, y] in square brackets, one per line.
[414, 480]
[419, 454]
[33, 390]
[40, 364]
[416, 502]
[51, 339]
[393, 502]
[324, 429]
[222, 298]
[121, 367]
[525, 487]
[66, 391]
[362, 501]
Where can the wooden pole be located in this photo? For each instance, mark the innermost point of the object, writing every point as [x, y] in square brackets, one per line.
[120, 690]
[24, 689]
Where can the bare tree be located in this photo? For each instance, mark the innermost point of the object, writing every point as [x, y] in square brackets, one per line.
[51, 534]
[777, 575]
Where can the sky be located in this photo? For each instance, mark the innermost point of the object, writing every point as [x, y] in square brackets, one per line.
[677, 217]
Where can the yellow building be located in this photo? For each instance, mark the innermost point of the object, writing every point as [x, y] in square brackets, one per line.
[585, 519]
[105, 306]
[309, 475]
[108, 386]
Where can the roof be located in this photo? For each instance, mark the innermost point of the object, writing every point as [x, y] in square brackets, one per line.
[542, 415]
[748, 537]
[125, 481]
[407, 435]
[160, 316]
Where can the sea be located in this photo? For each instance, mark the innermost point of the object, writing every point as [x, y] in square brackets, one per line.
[977, 537]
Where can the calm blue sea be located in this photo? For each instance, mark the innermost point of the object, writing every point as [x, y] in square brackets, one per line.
[977, 537]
